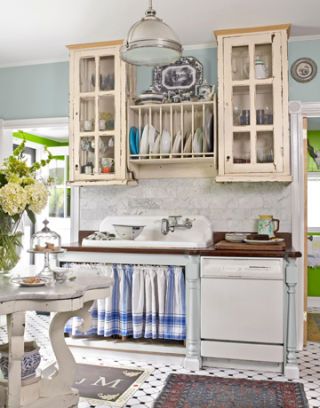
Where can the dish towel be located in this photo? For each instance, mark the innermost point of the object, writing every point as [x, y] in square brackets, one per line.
[314, 251]
[147, 302]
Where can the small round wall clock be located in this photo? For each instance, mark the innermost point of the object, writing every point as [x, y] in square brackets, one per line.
[303, 69]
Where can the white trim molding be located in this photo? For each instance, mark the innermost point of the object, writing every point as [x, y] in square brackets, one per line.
[299, 110]
[33, 123]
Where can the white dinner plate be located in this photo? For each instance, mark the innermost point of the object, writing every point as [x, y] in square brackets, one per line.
[165, 144]
[25, 281]
[208, 136]
[156, 145]
[152, 134]
[176, 148]
[187, 146]
[197, 142]
[144, 141]
[264, 241]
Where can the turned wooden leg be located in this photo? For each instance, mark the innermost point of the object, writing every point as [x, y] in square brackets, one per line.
[63, 378]
[16, 327]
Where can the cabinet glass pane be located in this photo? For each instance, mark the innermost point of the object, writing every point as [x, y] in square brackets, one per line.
[86, 155]
[263, 61]
[106, 112]
[241, 105]
[106, 154]
[265, 147]
[240, 63]
[106, 71]
[264, 105]
[241, 147]
[87, 74]
[87, 114]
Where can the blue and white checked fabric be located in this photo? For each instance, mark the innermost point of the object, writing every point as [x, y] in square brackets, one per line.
[147, 301]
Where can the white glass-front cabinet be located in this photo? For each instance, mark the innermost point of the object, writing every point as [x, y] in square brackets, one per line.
[253, 104]
[97, 114]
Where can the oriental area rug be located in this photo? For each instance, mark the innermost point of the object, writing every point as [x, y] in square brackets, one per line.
[199, 391]
[113, 385]
[314, 327]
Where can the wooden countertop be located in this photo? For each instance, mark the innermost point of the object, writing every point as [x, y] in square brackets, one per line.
[210, 251]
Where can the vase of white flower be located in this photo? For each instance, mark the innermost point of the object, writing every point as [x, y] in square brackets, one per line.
[20, 193]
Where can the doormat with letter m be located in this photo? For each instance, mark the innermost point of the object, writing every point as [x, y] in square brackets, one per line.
[113, 385]
[202, 391]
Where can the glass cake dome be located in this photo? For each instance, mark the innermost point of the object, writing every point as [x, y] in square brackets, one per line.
[45, 240]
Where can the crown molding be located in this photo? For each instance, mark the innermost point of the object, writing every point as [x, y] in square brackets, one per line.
[305, 38]
[186, 47]
[212, 44]
[34, 62]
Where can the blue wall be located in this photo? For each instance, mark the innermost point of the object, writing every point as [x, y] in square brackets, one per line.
[34, 91]
[310, 91]
[38, 91]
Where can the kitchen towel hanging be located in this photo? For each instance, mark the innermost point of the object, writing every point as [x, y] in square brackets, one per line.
[146, 302]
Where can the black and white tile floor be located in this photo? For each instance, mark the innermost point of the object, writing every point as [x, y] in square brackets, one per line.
[309, 363]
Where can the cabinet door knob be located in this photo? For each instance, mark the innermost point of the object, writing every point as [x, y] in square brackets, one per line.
[228, 158]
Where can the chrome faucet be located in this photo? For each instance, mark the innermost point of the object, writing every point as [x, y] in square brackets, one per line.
[171, 223]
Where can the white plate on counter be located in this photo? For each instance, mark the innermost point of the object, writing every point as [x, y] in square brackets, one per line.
[236, 236]
[30, 281]
[264, 241]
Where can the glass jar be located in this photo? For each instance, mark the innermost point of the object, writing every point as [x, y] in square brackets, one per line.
[45, 240]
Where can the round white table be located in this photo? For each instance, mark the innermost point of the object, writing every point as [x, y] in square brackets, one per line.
[68, 299]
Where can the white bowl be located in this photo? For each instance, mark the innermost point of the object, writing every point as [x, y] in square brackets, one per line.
[129, 232]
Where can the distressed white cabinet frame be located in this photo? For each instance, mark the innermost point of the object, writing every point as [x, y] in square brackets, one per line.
[279, 169]
[299, 110]
[119, 133]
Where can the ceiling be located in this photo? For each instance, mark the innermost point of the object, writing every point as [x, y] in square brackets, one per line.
[37, 31]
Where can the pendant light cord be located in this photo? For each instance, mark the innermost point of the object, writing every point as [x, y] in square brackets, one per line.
[150, 11]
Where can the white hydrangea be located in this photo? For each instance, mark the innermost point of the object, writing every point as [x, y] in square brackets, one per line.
[13, 199]
[37, 196]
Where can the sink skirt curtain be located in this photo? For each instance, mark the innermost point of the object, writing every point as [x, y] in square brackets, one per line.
[147, 302]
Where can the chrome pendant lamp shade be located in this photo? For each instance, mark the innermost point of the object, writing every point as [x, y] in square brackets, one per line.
[150, 41]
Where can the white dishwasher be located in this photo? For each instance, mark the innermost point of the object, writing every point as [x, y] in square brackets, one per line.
[242, 308]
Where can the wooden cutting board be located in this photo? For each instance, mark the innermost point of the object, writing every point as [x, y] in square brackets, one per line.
[238, 246]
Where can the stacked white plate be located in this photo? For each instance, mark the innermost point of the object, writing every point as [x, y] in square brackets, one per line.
[236, 236]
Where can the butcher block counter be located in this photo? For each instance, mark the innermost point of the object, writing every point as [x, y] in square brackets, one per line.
[272, 251]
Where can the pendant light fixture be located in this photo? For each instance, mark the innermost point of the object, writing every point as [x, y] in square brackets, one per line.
[150, 41]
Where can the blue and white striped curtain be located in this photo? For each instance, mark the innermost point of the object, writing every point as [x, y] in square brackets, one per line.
[146, 302]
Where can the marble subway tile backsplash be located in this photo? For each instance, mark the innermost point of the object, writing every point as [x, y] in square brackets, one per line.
[230, 207]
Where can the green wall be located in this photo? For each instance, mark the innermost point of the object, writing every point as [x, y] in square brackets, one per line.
[314, 141]
[37, 91]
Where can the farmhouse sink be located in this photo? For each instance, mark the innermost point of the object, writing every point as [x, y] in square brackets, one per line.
[198, 236]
